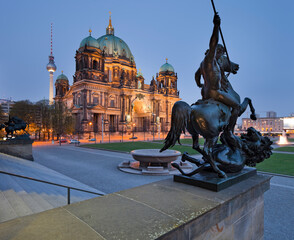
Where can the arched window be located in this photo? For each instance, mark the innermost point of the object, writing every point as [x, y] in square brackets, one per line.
[95, 99]
[95, 65]
[80, 64]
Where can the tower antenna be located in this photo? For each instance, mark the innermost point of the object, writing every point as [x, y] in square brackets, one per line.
[51, 41]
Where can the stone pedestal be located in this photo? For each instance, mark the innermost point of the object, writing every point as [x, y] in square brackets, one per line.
[210, 180]
[162, 210]
[18, 147]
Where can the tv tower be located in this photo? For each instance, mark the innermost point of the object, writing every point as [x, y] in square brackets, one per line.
[51, 68]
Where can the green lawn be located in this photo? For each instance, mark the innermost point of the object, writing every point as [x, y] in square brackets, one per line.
[278, 163]
[285, 149]
[129, 146]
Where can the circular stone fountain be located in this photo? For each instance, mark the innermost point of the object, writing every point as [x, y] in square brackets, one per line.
[153, 162]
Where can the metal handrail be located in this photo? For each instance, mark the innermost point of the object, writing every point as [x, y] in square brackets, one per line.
[55, 184]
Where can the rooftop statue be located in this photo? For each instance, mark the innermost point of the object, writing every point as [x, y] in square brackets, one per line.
[216, 115]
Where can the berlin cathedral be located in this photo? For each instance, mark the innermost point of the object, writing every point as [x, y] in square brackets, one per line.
[107, 87]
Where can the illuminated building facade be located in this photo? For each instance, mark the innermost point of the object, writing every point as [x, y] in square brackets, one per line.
[107, 87]
[264, 125]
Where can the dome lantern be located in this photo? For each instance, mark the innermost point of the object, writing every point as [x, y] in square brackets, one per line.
[109, 29]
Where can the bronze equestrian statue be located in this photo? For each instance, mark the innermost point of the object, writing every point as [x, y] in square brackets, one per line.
[216, 114]
[14, 124]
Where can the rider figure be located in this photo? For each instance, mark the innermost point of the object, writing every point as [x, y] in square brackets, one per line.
[213, 74]
[216, 84]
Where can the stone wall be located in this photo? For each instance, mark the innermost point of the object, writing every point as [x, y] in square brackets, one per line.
[18, 147]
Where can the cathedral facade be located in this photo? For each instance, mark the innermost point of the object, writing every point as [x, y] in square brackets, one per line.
[108, 92]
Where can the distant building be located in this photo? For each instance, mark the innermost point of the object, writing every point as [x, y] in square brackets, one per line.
[6, 105]
[269, 124]
[264, 124]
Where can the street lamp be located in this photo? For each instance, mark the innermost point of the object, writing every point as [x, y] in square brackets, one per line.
[134, 124]
[103, 122]
[153, 117]
[102, 128]
[158, 127]
[90, 124]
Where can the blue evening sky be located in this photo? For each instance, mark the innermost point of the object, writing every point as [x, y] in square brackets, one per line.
[259, 35]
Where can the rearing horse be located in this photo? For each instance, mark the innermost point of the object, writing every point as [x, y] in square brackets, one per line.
[206, 117]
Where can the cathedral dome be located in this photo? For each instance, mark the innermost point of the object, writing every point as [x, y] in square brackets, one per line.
[90, 42]
[166, 67]
[114, 46]
[61, 78]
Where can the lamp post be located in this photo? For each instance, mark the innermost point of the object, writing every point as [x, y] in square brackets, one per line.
[153, 116]
[103, 123]
[90, 124]
[158, 131]
[134, 124]
[102, 129]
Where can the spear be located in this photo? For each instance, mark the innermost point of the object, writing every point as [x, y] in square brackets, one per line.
[221, 33]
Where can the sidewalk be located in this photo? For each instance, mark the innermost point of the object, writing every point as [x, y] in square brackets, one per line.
[114, 137]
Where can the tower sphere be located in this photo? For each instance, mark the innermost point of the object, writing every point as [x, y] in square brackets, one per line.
[51, 67]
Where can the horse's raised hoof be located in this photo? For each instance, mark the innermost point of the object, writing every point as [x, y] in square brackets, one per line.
[253, 116]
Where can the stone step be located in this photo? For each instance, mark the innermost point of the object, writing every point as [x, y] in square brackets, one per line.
[35, 170]
[55, 200]
[55, 178]
[31, 202]
[8, 182]
[54, 195]
[6, 211]
[47, 193]
[45, 205]
[17, 185]
[17, 203]
[38, 187]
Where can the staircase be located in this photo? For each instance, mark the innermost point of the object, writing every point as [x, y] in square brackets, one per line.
[21, 197]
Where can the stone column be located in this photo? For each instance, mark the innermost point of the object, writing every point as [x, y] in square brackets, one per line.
[106, 99]
[90, 97]
[167, 119]
[123, 109]
[84, 92]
